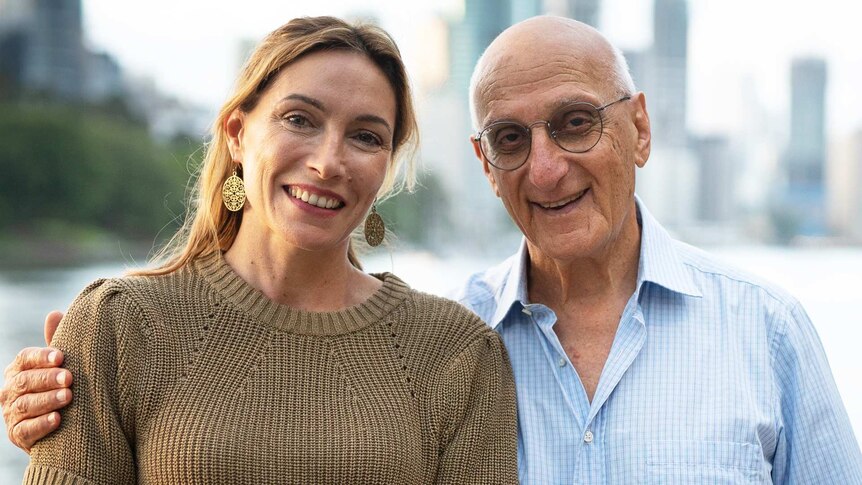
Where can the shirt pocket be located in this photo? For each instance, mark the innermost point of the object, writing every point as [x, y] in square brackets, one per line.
[696, 462]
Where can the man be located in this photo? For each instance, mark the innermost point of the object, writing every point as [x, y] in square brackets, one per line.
[637, 359]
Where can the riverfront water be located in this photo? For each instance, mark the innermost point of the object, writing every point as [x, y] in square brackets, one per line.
[827, 281]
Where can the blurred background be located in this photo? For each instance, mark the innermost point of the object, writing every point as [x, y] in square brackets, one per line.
[755, 107]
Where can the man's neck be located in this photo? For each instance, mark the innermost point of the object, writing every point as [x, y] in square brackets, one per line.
[588, 296]
[610, 272]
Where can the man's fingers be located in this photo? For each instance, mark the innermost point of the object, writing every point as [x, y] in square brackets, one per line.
[34, 389]
[33, 405]
[37, 380]
[32, 416]
[28, 432]
[33, 358]
[51, 323]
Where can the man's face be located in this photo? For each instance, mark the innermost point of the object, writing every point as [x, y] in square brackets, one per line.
[568, 205]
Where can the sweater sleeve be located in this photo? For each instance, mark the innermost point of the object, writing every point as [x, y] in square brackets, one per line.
[103, 344]
[476, 402]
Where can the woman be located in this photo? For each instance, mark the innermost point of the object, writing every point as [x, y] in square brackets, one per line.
[259, 352]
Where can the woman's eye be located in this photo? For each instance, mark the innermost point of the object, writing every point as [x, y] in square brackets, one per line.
[297, 120]
[368, 138]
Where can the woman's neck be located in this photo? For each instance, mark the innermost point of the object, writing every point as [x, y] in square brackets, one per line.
[308, 280]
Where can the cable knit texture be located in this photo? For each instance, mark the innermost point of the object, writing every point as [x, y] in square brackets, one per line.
[197, 377]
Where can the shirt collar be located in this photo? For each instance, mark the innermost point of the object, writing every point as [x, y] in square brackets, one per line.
[514, 288]
[659, 264]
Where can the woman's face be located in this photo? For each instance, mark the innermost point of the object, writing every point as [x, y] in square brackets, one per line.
[315, 149]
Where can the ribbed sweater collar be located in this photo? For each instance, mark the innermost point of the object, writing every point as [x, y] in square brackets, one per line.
[253, 302]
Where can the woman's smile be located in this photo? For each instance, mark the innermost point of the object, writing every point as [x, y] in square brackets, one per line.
[319, 137]
[316, 200]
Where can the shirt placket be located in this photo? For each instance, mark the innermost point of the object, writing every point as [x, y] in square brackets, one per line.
[570, 385]
[590, 454]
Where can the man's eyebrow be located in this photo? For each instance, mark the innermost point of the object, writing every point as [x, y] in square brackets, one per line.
[561, 103]
[550, 108]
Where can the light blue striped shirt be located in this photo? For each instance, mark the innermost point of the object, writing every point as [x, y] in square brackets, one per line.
[713, 377]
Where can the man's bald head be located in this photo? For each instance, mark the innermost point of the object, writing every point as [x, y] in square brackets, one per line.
[540, 41]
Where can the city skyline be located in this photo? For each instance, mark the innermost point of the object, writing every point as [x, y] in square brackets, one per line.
[738, 50]
[728, 183]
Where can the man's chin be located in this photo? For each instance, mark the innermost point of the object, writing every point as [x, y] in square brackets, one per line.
[565, 246]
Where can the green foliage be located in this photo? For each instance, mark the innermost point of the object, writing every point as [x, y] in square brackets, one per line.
[73, 178]
[414, 217]
[98, 171]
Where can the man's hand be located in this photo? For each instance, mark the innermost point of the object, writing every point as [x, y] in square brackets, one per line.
[35, 388]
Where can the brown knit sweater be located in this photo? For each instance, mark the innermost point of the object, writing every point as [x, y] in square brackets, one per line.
[197, 377]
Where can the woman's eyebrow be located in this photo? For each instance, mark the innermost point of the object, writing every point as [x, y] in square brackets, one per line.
[305, 99]
[374, 119]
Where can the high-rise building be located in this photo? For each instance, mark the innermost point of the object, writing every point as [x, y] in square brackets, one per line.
[41, 46]
[855, 229]
[55, 54]
[475, 211]
[13, 42]
[104, 78]
[13, 12]
[524, 9]
[668, 71]
[807, 148]
[804, 200]
[637, 61]
[669, 184]
[586, 11]
[717, 196]
[844, 177]
[483, 21]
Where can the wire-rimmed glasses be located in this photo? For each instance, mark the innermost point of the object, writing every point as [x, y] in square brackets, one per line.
[576, 128]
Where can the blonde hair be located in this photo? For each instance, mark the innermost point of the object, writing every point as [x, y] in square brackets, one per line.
[209, 226]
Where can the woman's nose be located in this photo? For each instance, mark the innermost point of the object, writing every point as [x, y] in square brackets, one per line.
[327, 158]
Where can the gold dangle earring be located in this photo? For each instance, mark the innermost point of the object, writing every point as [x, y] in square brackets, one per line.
[374, 227]
[233, 192]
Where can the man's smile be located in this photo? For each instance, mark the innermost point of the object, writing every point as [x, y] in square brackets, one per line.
[558, 205]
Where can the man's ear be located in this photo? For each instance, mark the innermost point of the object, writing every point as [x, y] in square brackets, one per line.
[485, 165]
[233, 127]
[641, 120]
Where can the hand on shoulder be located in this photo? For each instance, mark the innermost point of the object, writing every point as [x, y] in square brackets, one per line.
[35, 388]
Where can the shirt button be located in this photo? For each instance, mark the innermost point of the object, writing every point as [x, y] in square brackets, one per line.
[561, 362]
[588, 437]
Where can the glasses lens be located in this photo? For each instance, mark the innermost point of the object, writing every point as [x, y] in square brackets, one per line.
[577, 127]
[506, 144]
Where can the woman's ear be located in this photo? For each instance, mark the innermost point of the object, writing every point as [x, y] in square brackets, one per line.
[233, 128]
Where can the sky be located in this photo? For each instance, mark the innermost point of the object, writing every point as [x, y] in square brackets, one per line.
[739, 50]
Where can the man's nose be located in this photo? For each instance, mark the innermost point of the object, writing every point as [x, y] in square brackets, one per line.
[545, 163]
